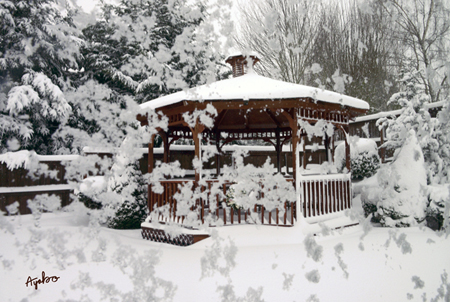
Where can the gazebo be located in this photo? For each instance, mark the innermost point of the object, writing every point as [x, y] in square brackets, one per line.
[252, 107]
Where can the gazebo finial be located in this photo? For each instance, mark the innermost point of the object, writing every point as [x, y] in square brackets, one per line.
[239, 62]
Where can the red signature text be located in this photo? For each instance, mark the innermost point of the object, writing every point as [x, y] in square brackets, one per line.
[44, 279]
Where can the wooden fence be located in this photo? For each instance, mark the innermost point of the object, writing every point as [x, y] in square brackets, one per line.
[19, 184]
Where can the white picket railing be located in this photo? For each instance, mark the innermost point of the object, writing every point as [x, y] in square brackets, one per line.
[325, 194]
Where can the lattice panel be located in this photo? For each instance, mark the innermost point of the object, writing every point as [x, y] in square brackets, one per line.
[257, 135]
[161, 236]
[181, 134]
[311, 114]
[175, 118]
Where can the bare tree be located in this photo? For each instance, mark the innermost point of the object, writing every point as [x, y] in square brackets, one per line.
[283, 33]
[336, 45]
[355, 42]
[423, 28]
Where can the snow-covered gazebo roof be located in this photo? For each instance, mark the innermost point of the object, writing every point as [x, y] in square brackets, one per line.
[251, 86]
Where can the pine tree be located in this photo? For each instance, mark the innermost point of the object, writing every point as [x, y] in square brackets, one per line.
[148, 48]
[38, 48]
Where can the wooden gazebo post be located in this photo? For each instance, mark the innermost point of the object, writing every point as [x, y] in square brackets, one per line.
[196, 132]
[278, 149]
[293, 124]
[347, 154]
[165, 140]
[218, 153]
[150, 170]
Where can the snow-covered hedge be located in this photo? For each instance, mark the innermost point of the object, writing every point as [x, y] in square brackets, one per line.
[364, 157]
[400, 199]
[438, 211]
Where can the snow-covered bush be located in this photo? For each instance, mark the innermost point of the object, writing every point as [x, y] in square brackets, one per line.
[133, 210]
[400, 199]
[257, 185]
[438, 211]
[231, 198]
[89, 192]
[414, 115]
[432, 135]
[364, 159]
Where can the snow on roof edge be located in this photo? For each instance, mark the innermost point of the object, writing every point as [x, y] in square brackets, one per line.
[253, 87]
[392, 112]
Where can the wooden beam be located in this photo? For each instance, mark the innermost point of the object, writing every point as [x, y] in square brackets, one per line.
[220, 118]
[143, 119]
[304, 152]
[347, 154]
[292, 118]
[345, 130]
[273, 118]
[150, 154]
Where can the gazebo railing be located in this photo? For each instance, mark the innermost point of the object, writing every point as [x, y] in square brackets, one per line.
[168, 205]
[325, 194]
[320, 195]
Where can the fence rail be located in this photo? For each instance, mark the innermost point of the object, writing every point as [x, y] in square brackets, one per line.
[20, 184]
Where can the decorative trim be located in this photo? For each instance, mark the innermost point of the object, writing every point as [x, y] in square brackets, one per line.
[161, 236]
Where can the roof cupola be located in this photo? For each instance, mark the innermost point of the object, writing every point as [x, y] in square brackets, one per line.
[242, 63]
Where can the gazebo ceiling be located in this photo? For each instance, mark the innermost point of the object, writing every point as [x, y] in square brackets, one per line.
[250, 119]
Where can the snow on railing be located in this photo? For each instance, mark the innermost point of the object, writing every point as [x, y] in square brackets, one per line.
[222, 213]
[320, 195]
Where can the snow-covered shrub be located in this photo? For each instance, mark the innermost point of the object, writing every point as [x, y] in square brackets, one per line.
[438, 211]
[414, 114]
[400, 199]
[133, 210]
[257, 185]
[43, 203]
[231, 198]
[433, 138]
[364, 159]
[89, 202]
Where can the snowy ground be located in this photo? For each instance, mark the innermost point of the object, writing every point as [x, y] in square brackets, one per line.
[241, 263]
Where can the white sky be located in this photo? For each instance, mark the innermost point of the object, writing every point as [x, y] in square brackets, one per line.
[87, 5]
